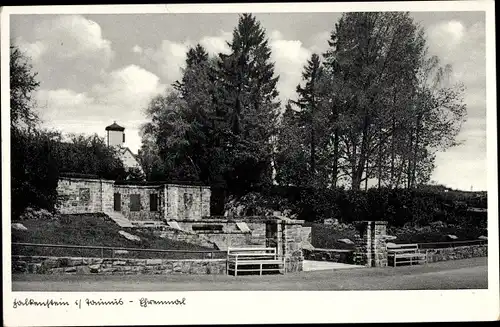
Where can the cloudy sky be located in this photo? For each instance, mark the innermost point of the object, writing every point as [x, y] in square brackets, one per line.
[96, 69]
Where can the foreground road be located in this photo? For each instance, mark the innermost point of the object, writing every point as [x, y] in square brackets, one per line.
[459, 274]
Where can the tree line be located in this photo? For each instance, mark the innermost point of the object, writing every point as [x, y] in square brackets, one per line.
[39, 156]
[376, 106]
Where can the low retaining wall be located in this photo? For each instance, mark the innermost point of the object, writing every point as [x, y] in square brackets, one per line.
[116, 266]
[183, 236]
[433, 255]
[331, 255]
[457, 253]
[294, 262]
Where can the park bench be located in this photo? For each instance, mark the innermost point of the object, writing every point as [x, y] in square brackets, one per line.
[253, 260]
[405, 253]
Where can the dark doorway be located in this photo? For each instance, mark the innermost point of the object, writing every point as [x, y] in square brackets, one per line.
[153, 202]
[272, 234]
[117, 202]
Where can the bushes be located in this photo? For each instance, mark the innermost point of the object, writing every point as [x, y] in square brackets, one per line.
[38, 157]
[32, 214]
[34, 172]
[397, 206]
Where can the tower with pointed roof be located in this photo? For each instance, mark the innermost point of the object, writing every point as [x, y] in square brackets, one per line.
[115, 135]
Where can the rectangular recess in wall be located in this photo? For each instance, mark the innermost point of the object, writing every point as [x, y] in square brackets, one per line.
[135, 202]
[208, 228]
[84, 195]
[117, 202]
[153, 202]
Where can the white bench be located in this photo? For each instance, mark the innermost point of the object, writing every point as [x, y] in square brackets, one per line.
[253, 260]
[405, 253]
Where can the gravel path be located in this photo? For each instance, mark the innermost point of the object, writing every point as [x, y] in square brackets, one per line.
[458, 274]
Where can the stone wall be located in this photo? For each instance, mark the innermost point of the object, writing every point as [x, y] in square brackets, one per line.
[379, 244]
[187, 202]
[370, 244]
[115, 266]
[230, 235]
[457, 253]
[107, 195]
[144, 194]
[258, 233]
[292, 237]
[306, 234]
[80, 195]
[183, 236]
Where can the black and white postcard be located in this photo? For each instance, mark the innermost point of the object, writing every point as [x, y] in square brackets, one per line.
[249, 163]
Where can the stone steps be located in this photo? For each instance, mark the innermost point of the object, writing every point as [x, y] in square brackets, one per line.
[119, 219]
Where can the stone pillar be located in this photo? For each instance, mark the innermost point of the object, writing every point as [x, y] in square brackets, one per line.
[293, 256]
[370, 249]
[379, 246]
[165, 202]
[205, 201]
[362, 253]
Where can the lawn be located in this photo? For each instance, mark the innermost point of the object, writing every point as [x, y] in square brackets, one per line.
[93, 230]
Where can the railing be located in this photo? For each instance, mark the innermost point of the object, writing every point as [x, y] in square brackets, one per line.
[451, 244]
[113, 252]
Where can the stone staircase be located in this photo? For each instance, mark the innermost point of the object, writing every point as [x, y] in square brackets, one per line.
[119, 219]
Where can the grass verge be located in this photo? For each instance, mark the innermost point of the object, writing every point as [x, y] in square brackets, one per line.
[94, 230]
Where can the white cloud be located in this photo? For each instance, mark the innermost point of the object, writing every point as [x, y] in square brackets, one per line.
[170, 56]
[447, 34]
[122, 96]
[464, 48]
[169, 59]
[289, 56]
[217, 44]
[137, 49]
[71, 37]
[33, 50]
[129, 85]
[320, 42]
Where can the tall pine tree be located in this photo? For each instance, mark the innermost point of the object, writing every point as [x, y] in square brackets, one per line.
[309, 103]
[249, 103]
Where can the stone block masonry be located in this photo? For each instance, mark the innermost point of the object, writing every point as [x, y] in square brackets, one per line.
[79, 195]
[293, 255]
[184, 236]
[370, 244]
[229, 234]
[186, 202]
[133, 200]
[115, 266]
[141, 210]
[457, 253]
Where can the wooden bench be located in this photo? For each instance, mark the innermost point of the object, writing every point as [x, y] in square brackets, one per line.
[253, 260]
[405, 253]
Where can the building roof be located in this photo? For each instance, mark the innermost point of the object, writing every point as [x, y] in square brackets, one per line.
[115, 127]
